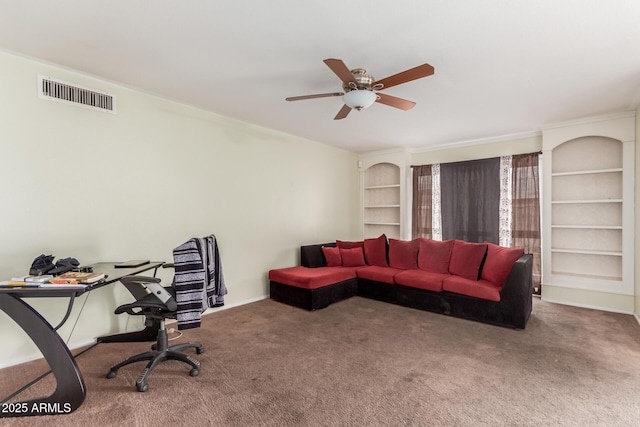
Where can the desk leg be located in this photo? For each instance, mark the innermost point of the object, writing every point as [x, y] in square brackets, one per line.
[70, 389]
[149, 333]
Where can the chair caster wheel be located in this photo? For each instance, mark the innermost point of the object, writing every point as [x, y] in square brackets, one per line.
[112, 374]
[199, 350]
[142, 387]
[194, 372]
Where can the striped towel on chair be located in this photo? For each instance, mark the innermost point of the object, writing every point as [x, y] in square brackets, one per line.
[198, 282]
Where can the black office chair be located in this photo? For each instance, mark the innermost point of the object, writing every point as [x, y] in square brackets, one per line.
[156, 303]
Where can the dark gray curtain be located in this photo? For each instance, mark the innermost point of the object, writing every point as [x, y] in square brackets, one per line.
[421, 214]
[470, 193]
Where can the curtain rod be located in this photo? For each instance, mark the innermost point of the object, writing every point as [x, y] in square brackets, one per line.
[428, 164]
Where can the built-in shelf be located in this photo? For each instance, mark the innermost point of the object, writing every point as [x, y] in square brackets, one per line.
[586, 202]
[586, 252]
[587, 172]
[376, 187]
[588, 276]
[589, 227]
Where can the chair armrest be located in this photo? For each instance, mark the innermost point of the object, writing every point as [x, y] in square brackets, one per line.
[140, 286]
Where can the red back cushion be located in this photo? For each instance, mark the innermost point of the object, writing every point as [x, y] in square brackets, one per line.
[434, 255]
[404, 253]
[375, 251]
[499, 262]
[352, 257]
[348, 245]
[332, 255]
[466, 259]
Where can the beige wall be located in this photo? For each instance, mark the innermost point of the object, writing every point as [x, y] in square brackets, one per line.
[131, 185]
[637, 220]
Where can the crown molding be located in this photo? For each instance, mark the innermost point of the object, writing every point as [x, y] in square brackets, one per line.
[479, 141]
[590, 119]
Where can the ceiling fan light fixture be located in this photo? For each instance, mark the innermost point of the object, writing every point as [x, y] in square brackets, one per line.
[360, 98]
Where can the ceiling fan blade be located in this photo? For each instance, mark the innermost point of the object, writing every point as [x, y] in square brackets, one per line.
[318, 95]
[392, 101]
[344, 111]
[341, 70]
[415, 73]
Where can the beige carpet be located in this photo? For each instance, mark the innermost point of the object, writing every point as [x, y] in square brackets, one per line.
[367, 363]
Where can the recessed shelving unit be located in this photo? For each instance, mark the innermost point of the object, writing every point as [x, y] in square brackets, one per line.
[586, 195]
[382, 213]
[588, 206]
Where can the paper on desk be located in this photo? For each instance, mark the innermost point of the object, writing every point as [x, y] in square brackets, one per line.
[62, 285]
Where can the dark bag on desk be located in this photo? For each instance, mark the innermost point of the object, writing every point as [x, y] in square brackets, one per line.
[64, 265]
[42, 265]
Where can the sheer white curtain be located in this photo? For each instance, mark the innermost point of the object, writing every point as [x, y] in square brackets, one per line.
[505, 201]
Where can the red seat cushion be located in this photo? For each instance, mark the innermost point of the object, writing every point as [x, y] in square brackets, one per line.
[378, 274]
[421, 279]
[311, 278]
[479, 289]
[498, 263]
[434, 256]
[375, 251]
[404, 253]
[466, 259]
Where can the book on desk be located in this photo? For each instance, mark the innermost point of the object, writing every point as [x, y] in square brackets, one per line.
[65, 279]
[76, 277]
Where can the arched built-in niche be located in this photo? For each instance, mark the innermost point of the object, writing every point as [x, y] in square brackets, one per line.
[382, 201]
[588, 208]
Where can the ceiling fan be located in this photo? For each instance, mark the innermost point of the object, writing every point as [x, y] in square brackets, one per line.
[359, 87]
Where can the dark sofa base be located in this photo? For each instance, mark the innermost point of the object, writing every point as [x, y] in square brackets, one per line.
[377, 290]
[461, 306]
[437, 302]
[313, 299]
[447, 303]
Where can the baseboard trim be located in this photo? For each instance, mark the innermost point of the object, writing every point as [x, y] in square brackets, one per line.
[78, 345]
[637, 318]
[36, 356]
[589, 306]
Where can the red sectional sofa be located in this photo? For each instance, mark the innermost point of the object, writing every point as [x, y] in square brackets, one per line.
[478, 281]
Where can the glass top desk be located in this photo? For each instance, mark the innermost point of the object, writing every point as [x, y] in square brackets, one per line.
[70, 389]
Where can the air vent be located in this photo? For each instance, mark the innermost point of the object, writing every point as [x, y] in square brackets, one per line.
[68, 93]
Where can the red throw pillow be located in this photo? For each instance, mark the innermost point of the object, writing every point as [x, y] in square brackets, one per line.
[404, 253]
[348, 245]
[499, 262]
[375, 251]
[332, 255]
[352, 257]
[466, 259]
[434, 255]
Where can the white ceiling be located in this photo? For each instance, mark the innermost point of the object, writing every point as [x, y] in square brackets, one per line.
[502, 67]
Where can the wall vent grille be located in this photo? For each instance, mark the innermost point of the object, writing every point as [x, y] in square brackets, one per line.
[60, 91]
